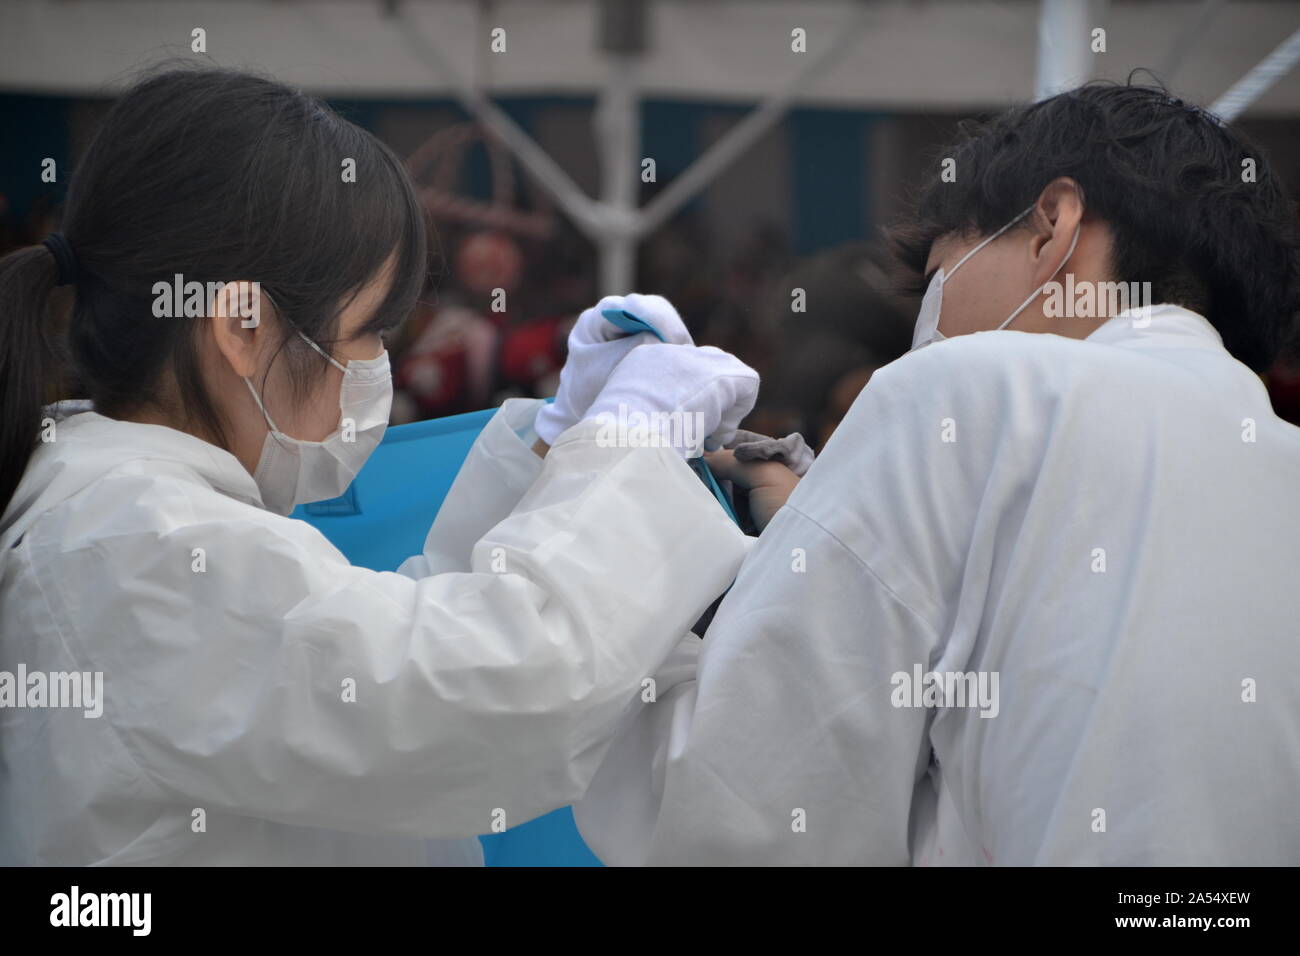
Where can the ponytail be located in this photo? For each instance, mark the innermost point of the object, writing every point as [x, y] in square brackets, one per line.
[30, 358]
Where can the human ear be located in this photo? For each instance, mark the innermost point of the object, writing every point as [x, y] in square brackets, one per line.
[236, 323]
[1056, 216]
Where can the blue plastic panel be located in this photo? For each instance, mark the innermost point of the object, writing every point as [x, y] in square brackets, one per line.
[381, 521]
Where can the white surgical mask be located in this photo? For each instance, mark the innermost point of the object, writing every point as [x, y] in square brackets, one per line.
[292, 471]
[927, 319]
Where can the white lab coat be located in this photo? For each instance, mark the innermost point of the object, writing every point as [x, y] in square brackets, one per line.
[1110, 525]
[230, 640]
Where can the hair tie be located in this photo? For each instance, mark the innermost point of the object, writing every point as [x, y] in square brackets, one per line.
[64, 258]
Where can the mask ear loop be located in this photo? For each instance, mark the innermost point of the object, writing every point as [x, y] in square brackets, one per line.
[329, 358]
[275, 430]
[943, 275]
[303, 335]
[1037, 292]
[962, 260]
[257, 398]
[249, 382]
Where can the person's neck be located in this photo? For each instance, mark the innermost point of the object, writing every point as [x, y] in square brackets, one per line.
[153, 415]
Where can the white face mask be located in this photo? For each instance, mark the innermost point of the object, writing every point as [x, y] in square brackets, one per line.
[927, 319]
[293, 472]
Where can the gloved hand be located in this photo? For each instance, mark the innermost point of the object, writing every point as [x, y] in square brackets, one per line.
[791, 451]
[693, 396]
[596, 345]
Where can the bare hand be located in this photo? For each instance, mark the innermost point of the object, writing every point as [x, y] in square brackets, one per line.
[769, 483]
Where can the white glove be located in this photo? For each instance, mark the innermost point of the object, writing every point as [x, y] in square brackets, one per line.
[596, 345]
[683, 395]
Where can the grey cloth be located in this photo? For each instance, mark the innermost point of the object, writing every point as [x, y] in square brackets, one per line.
[792, 451]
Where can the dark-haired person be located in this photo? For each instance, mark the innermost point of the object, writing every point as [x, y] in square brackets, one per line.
[188, 676]
[1036, 601]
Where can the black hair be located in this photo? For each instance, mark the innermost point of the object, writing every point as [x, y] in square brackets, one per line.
[851, 322]
[1167, 177]
[217, 175]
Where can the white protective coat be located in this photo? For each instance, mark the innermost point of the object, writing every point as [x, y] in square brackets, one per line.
[230, 640]
[1112, 526]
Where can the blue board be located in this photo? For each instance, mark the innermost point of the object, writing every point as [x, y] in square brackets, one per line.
[380, 522]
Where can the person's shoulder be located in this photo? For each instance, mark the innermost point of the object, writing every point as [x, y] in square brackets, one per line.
[996, 367]
[997, 357]
[968, 373]
[148, 487]
[978, 392]
[141, 504]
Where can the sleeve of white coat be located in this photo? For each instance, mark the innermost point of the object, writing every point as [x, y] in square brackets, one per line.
[500, 467]
[783, 743]
[786, 748]
[285, 683]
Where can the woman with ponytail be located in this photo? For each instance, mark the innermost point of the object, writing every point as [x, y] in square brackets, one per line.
[174, 649]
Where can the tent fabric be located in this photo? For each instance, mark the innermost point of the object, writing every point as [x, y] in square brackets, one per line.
[382, 520]
[913, 56]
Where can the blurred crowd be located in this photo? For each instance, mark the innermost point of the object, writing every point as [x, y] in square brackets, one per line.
[498, 310]
[495, 316]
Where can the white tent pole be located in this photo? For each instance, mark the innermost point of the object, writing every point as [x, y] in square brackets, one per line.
[1064, 37]
[535, 160]
[1252, 86]
[617, 122]
[748, 131]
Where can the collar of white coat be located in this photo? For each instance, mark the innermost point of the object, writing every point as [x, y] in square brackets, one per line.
[87, 445]
[1162, 326]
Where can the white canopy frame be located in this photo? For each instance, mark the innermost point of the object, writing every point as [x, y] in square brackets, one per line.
[1263, 75]
[616, 225]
